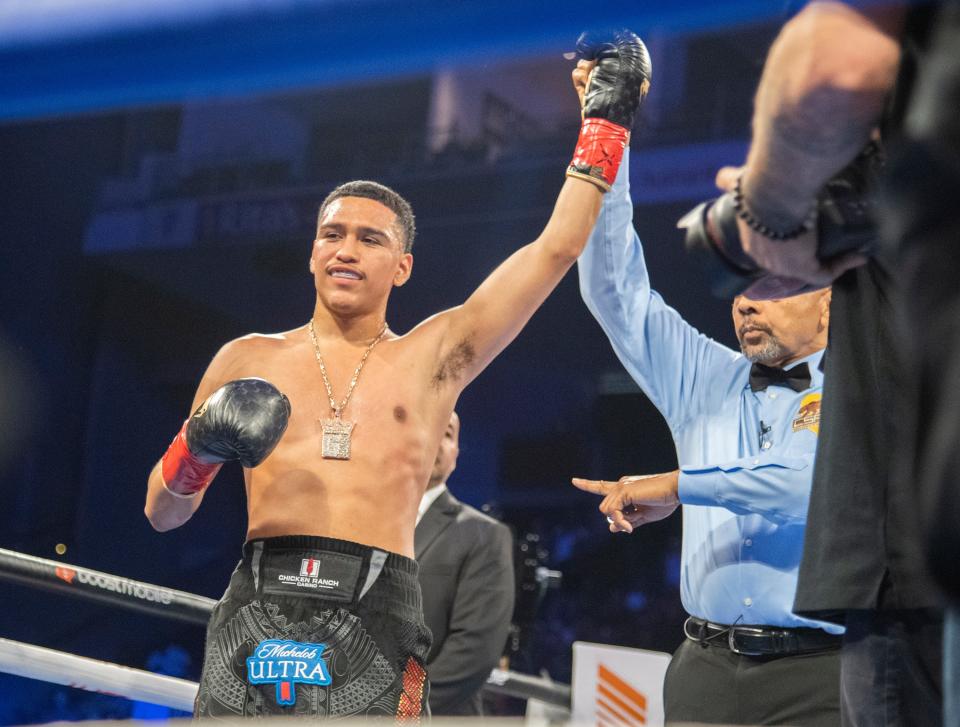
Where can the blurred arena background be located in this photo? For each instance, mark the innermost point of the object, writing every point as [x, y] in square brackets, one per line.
[161, 168]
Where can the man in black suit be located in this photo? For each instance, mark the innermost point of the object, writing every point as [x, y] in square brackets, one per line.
[466, 575]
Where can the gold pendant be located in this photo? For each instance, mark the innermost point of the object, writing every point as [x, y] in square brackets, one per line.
[336, 438]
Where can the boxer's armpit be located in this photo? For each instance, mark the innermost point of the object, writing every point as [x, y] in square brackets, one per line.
[452, 365]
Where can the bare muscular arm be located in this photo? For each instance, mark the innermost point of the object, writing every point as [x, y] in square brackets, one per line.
[823, 88]
[494, 314]
[822, 92]
[474, 333]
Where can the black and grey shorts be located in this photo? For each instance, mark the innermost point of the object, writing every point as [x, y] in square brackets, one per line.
[316, 627]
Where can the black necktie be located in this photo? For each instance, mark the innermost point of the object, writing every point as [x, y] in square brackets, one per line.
[797, 378]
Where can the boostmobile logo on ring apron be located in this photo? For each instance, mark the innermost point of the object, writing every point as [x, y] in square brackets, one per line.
[116, 585]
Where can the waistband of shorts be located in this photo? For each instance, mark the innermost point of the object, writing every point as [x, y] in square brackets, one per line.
[394, 561]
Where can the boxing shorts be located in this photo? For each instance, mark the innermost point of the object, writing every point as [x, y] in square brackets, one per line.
[317, 627]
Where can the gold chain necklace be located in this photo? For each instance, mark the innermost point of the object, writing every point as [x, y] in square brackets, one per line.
[336, 432]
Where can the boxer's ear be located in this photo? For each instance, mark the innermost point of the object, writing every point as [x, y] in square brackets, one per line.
[404, 269]
[313, 253]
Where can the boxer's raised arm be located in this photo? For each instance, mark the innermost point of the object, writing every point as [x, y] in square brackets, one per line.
[494, 314]
[492, 317]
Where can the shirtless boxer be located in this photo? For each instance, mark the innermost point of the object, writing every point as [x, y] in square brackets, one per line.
[322, 616]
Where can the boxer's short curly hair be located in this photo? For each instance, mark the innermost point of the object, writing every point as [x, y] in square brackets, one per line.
[382, 194]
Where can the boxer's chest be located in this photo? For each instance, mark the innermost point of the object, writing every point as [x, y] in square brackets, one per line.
[385, 416]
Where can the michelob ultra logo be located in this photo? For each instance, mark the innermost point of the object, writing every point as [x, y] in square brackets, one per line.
[286, 663]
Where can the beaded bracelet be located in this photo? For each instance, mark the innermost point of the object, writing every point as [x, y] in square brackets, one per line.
[754, 223]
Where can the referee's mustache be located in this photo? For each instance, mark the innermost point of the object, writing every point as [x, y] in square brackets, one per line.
[750, 327]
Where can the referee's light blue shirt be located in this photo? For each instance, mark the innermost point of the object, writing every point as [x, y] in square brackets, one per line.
[744, 492]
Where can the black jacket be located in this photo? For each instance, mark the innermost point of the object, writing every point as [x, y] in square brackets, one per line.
[466, 575]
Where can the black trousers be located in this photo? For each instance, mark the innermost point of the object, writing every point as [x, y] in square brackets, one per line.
[713, 685]
[891, 669]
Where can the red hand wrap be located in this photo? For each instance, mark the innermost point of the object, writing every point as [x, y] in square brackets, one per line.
[599, 151]
[184, 474]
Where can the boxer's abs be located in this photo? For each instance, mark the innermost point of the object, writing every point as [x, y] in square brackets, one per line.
[371, 498]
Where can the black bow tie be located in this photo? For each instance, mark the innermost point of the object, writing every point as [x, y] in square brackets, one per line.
[797, 378]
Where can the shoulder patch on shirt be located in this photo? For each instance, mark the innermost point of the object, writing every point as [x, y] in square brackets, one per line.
[808, 416]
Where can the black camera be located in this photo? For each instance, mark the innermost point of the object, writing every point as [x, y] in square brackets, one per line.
[845, 223]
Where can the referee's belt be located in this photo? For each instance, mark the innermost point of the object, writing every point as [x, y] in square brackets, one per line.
[759, 640]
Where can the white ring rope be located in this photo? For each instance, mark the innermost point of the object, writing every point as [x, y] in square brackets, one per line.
[48, 665]
[81, 672]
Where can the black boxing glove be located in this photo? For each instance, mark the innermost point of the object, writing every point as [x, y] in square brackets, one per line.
[242, 420]
[617, 85]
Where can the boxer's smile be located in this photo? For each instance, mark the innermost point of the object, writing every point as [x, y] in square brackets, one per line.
[344, 272]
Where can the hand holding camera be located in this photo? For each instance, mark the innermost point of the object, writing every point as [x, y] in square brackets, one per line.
[740, 255]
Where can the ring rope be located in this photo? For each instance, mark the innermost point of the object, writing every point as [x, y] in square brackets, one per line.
[36, 662]
[98, 586]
